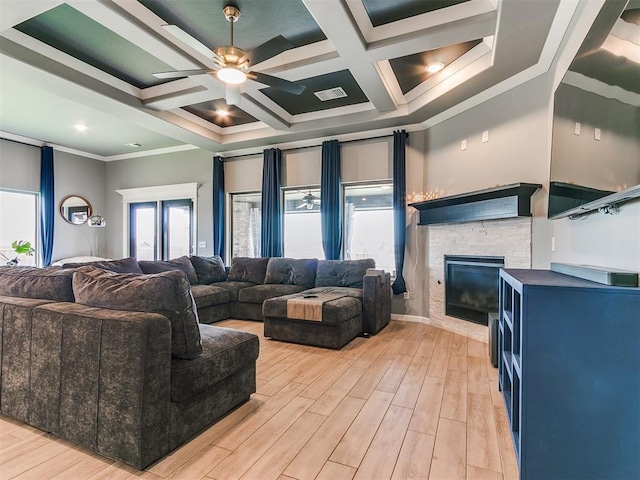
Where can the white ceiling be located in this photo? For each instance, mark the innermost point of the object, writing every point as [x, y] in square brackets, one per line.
[44, 92]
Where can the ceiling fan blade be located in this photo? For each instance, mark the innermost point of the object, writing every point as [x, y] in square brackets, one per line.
[182, 73]
[302, 205]
[232, 94]
[189, 40]
[268, 49]
[279, 83]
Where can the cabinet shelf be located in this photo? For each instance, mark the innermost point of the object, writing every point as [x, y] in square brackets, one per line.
[564, 343]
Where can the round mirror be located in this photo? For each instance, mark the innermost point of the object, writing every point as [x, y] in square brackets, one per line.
[75, 209]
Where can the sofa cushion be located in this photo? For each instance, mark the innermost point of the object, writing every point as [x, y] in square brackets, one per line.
[342, 273]
[209, 295]
[51, 283]
[234, 288]
[167, 293]
[209, 269]
[224, 352]
[180, 263]
[245, 269]
[260, 293]
[123, 265]
[290, 271]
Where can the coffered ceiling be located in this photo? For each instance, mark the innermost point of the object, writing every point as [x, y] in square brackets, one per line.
[92, 62]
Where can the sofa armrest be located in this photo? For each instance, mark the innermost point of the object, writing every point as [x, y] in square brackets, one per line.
[101, 378]
[376, 301]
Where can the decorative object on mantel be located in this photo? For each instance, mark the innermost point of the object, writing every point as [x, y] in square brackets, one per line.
[607, 276]
[507, 201]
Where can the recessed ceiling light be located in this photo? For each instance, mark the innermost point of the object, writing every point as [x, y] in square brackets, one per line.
[222, 113]
[134, 145]
[434, 67]
[80, 127]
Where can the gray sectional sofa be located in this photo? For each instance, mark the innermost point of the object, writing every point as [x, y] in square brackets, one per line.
[116, 363]
[121, 357]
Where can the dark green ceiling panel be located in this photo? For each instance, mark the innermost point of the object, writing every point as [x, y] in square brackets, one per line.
[307, 102]
[259, 21]
[75, 34]
[610, 69]
[410, 70]
[382, 12]
[207, 111]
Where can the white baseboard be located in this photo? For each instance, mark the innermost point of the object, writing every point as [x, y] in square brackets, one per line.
[409, 318]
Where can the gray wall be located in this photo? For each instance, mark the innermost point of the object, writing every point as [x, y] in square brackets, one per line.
[167, 169]
[74, 175]
[611, 163]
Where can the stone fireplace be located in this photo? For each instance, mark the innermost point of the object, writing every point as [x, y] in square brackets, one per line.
[507, 238]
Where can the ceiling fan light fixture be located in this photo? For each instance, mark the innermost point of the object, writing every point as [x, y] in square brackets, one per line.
[222, 113]
[434, 67]
[231, 75]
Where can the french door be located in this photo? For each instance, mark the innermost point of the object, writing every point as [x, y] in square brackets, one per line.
[160, 230]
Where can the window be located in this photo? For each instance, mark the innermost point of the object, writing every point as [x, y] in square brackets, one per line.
[174, 223]
[368, 230]
[302, 227]
[246, 221]
[142, 231]
[160, 222]
[18, 221]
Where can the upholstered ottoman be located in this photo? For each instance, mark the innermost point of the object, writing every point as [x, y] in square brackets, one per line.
[339, 320]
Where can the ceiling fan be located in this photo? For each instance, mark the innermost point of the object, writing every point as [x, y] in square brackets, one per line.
[233, 64]
[309, 200]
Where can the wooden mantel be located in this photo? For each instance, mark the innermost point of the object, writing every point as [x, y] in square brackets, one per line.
[506, 201]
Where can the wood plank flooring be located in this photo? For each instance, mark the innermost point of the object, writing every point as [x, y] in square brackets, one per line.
[413, 402]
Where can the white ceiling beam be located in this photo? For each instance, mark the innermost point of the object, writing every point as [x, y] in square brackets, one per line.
[339, 27]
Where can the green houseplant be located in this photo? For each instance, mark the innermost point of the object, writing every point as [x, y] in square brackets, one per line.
[20, 247]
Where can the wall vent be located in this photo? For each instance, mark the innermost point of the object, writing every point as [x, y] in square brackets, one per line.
[330, 94]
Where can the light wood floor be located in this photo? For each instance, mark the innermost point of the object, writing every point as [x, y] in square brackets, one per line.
[412, 402]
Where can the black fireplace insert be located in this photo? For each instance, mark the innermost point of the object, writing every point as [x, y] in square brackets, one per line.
[471, 286]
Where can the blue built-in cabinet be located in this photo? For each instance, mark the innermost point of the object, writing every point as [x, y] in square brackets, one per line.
[569, 371]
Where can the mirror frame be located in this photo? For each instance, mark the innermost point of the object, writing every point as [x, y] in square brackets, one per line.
[62, 210]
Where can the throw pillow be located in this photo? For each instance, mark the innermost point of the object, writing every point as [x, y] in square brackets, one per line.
[51, 283]
[159, 266]
[289, 271]
[245, 269]
[167, 293]
[209, 269]
[343, 273]
[124, 265]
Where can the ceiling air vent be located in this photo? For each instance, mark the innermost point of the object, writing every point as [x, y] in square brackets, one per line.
[330, 94]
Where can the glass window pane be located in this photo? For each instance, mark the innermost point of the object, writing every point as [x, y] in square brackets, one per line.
[369, 224]
[18, 221]
[302, 227]
[246, 221]
[143, 231]
[178, 228]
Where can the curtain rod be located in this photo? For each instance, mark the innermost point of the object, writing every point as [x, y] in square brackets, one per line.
[307, 146]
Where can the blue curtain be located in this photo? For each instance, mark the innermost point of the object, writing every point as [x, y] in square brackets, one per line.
[47, 204]
[271, 235]
[330, 196]
[218, 206]
[399, 208]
